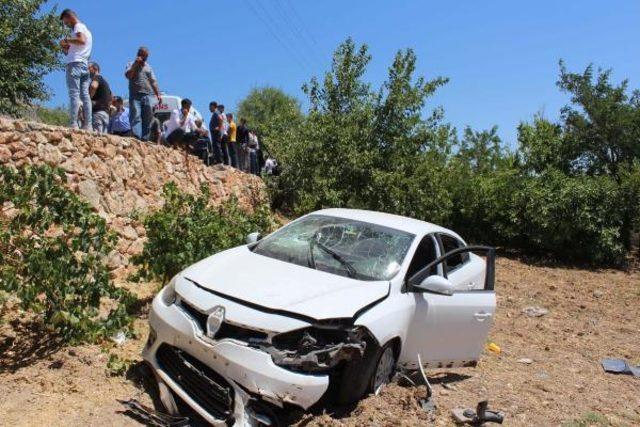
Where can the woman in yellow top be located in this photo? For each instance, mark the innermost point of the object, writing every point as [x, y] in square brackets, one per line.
[233, 145]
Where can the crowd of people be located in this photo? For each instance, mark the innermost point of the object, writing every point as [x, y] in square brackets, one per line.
[92, 106]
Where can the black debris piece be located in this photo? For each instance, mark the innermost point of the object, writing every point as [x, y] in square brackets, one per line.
[151, 417]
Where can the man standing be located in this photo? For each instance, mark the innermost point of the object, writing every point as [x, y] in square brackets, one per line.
[214, 131]
[227, 153]
[243, 143]
[234, 147]
[119, 124]
[143, 85]
[77, 50]
[100, 94]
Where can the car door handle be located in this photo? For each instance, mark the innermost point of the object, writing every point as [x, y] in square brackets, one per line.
[482, 316]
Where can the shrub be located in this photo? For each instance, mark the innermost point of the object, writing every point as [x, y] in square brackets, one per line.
[52, 251]
[186, 229]
[572, 218]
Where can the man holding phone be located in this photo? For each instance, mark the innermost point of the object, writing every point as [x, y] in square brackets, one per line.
[143, 94]
[77, 50]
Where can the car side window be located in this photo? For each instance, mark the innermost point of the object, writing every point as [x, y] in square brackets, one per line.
[425, 253]
[450, 243]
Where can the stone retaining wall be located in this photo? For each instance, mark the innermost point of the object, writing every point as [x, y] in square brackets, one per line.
[120, 176]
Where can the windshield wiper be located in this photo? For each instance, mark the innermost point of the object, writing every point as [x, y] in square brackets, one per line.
[351, 271]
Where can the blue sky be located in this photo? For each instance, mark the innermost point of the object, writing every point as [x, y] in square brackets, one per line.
[501, 56]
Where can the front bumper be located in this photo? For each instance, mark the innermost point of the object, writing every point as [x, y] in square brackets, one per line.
[249, 371]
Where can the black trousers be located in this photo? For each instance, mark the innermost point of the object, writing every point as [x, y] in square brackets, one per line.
[180, 137]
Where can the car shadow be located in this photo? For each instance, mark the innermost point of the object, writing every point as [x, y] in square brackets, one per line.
[447, 378]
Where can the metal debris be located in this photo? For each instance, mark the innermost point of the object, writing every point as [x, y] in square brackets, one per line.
[150, 416]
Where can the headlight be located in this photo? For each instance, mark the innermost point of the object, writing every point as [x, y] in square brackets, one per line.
[169, 292]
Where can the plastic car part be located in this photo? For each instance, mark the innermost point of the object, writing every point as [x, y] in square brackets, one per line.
[478, 417]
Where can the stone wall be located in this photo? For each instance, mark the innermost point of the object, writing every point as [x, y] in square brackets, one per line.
[120, 176]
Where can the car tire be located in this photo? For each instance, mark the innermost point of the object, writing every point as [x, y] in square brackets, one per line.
[384, 368]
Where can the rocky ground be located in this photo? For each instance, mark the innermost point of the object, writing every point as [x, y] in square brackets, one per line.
[548, 372]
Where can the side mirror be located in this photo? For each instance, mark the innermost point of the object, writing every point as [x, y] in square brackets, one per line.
[253, 238]
[435, 284]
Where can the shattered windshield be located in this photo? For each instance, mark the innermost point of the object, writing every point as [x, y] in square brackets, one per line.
[340, 246]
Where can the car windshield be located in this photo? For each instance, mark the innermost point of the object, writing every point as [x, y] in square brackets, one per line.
[340, 246]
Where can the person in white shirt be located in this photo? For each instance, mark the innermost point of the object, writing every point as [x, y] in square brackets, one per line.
[77, 50]
[181, 128]
[254, 146]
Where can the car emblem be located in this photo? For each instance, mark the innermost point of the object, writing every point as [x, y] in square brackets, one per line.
[214, 321]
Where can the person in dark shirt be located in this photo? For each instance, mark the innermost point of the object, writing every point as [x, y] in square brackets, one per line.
[243, 141]
[215, 132]
[100, 94]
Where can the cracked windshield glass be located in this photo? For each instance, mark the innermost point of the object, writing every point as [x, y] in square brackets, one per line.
[340, 246]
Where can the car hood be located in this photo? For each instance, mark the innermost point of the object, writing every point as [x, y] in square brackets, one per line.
[271, 284]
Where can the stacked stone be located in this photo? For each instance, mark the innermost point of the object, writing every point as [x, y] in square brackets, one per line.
[121, 176]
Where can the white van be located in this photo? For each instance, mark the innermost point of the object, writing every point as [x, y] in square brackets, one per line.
[169, 103]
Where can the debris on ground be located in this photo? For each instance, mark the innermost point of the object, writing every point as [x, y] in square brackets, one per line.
[525, 361]
[428, 404]
[620, 366]
[479, 417]
[151, 417]
[119, 338]
[494, 348]
[535, 311]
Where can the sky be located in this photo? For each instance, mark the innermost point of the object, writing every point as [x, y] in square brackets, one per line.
[501, 56]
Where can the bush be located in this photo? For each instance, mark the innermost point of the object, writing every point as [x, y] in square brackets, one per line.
[52, 251]
[186, 229]
[58, 116]
[572, 218]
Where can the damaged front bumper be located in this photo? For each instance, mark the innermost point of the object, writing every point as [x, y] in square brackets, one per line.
[235, 373]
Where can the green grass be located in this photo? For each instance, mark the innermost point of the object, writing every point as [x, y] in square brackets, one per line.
[590, 419]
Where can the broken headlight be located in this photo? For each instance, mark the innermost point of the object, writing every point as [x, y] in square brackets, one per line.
[318, 348]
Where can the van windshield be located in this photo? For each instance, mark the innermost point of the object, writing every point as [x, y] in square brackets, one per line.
[341, 246]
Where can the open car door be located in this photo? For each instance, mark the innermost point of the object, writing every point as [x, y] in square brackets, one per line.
[451, 329]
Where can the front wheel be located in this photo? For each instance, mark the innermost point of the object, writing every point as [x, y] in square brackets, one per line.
[384, 368]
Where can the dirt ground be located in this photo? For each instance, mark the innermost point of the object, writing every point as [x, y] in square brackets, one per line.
[592, 315]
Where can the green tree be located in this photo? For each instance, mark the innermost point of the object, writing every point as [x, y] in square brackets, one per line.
[364, 147]
[52, 252]
[28, 52]
[542, 145]
[270, 112]
[603, 124]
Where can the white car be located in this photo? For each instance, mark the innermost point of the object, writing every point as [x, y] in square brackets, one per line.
[321, 311]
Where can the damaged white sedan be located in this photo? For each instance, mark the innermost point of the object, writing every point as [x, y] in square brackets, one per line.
[320, 312]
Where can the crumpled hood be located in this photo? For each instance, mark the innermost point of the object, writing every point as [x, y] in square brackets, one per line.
[278, 285]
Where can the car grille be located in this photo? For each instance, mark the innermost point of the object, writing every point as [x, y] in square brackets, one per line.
[206, 387]
[227, 330]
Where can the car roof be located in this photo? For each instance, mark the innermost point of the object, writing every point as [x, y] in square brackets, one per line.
[403, 223]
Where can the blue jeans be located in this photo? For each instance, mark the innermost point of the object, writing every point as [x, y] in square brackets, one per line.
[253, 162]
[78, 82]
[141, 114]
